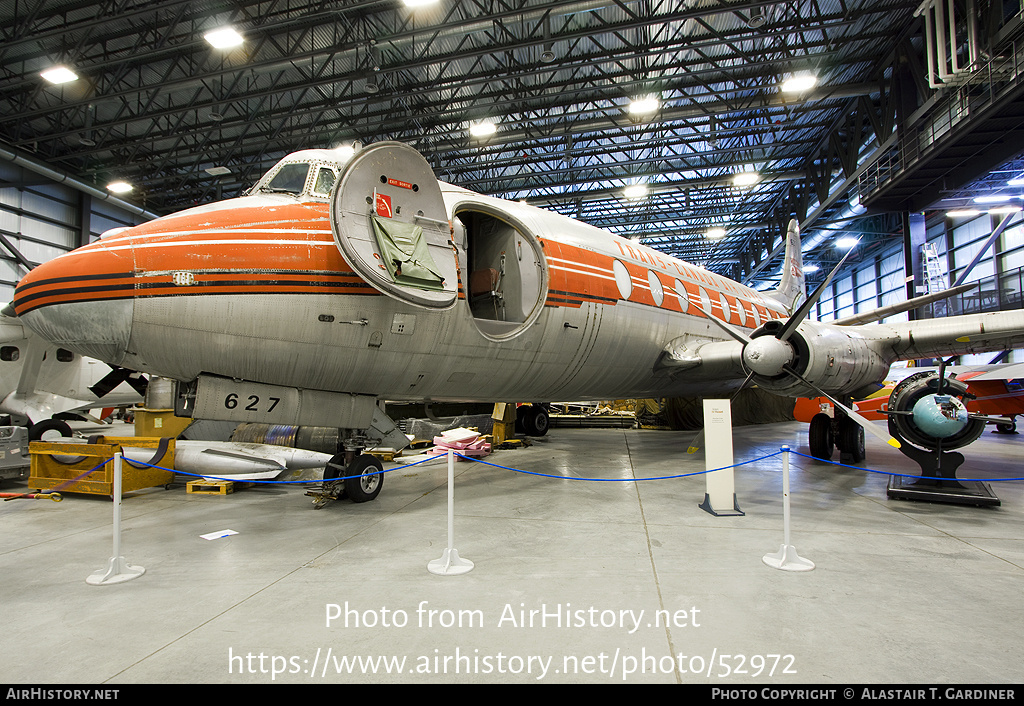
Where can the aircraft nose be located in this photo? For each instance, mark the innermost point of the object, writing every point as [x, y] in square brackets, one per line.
[82, 301]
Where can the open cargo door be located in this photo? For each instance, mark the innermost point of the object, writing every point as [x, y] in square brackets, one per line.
[390, 223]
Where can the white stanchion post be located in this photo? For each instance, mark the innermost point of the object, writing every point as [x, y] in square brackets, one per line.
[118, 569]
[786, 558]
[450, 563]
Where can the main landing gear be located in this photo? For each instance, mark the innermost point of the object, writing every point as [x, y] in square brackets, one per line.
[350, 474]
[827, 433]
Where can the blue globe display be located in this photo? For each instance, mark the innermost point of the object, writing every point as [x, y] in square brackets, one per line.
[940, 416]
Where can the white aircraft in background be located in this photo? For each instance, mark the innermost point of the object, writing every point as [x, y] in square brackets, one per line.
[39, 381]
[340, 281]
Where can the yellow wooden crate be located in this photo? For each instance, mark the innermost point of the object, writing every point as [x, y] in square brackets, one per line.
[68, 473]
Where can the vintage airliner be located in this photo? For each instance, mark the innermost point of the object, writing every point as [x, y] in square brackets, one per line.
[337, 282]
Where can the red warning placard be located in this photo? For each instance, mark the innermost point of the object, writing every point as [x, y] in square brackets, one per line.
[383, 206]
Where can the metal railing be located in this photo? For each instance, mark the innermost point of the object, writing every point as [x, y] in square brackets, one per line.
[971, 95]
[995, 293]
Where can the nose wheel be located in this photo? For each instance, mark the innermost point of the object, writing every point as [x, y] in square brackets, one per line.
[360, 480]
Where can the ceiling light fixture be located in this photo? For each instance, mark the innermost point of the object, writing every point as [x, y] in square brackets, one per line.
[1005, 209]
[59, 74]
[1019, 181]
[635, 191]
[799, 83]
[418, 3]
[119, 187]
[644, 106]
[992, 198]
[745, 178]
[223, 38]
[846, 243]
[716, 233]
[963, 213]
[483, 128]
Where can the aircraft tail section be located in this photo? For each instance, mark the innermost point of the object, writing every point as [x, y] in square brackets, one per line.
[792, 289]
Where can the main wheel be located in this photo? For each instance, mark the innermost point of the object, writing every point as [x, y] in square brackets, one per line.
[535, 420]
[59, 426]
[370, 479]
[819, 436]
[851, 439]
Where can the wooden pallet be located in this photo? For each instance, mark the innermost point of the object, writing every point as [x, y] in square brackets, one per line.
[210, 487]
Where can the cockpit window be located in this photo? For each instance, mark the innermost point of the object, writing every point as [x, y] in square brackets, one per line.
[324, 181]
[290, 179]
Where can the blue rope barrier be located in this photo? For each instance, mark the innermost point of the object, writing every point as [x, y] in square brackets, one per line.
[905, 475]
[619, 480]
[558, 477]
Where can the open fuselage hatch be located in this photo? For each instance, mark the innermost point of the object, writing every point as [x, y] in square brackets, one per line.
[503, 270]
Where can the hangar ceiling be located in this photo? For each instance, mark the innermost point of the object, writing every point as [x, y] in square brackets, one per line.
[156, 105]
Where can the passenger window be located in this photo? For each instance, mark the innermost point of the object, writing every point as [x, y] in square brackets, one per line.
[9, 353]
[64, 355]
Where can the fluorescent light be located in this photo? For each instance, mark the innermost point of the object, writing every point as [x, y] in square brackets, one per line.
[217, 171]
[745, 178]
[810, 268]
[482, 128]
[1019, 181]
[418, 3]
[59, 74]
[716, 233]
[223, 38]
[846, 243]
[992, 198]
[119, 187]
[1004, 209]
[963, 213]
[635, 191]
[799, 83]
[644, 106]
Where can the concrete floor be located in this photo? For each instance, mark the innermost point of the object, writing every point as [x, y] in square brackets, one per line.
[902, 592]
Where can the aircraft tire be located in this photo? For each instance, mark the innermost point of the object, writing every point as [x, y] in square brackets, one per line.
[36, 431]
[536, 421]
[819, 437]
[851, 439]
[371, 479]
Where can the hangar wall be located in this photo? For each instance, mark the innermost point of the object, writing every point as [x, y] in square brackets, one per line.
[879, 279]
[41, 219]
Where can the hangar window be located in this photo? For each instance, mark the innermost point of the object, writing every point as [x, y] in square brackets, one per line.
[9, 353]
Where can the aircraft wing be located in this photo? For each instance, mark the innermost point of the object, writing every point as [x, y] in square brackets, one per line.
[840, 360]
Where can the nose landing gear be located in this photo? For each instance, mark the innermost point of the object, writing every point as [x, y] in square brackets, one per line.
[351, 474]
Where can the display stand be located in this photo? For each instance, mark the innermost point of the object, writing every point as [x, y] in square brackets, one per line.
[118, 569]
[720, 486]
[942, 485]
[786, 558]
[450, 563]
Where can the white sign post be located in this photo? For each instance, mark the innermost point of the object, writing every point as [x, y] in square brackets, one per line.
[720, 493]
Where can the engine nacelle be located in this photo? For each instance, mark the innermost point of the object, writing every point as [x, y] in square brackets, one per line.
[931, 420]
[836, 360]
